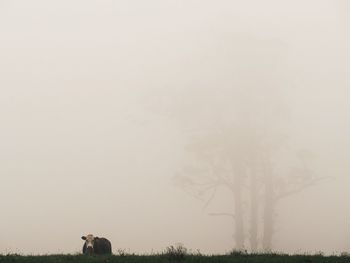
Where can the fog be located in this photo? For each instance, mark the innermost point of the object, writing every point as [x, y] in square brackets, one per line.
[104, 105]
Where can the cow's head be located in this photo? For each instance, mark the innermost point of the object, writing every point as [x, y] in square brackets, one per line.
[89, 242]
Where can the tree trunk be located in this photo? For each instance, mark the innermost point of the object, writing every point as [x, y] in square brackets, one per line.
[239, 222]
[254, 208]
[269, 207]
[268, 220]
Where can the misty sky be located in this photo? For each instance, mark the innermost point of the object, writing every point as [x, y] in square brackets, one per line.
[100, 98]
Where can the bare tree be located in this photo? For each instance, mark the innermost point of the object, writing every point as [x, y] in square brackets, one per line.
[244, 167]
[235, 133]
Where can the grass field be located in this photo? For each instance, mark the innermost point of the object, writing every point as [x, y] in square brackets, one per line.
[166, 258]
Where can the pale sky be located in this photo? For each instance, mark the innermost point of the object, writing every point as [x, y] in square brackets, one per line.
[100, 98]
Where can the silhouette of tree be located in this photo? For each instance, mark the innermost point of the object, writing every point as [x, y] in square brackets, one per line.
[235, 134]
[241, 163]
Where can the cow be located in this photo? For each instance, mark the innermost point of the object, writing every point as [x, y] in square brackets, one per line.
[96, 245]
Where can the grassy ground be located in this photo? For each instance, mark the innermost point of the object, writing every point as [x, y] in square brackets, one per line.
[263, 258]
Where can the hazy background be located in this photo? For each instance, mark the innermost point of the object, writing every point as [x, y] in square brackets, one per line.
[100, 98]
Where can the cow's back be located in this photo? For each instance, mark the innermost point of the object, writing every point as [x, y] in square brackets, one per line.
[102, 246]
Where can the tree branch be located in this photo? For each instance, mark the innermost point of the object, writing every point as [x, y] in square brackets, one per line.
[300, 188]
[222, 214]
[210, 199]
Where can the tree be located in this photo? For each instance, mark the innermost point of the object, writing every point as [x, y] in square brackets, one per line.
[236, 127]
[242, 163]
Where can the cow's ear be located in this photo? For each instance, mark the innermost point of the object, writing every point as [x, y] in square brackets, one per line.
[96, 237]
[83, 238]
